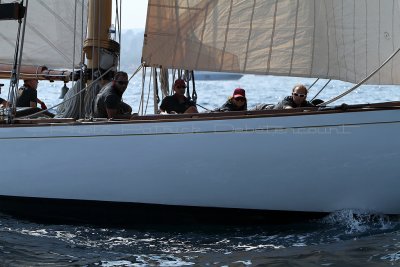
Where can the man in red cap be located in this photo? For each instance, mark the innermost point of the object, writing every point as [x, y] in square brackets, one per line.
[178, 103]
[237, 102]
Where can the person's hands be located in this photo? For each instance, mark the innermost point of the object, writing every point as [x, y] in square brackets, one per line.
[43, 106]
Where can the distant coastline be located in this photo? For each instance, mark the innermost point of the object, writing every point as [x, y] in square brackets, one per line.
[131, 48]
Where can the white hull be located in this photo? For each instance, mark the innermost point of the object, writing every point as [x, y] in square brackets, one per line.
[310, 163]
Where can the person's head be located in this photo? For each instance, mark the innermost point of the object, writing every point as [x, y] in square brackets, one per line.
[299, 94]
[180, 87]
[120, 81]
[239, 97]
[31, 83]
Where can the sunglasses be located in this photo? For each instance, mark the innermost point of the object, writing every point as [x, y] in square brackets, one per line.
[300, 95]
[241, 99]
[122, 82]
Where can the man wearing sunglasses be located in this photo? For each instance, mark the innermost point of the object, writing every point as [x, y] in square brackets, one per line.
[109, 102]
[296, 100]
[178, 103]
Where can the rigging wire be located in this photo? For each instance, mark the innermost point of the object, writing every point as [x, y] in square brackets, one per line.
[143, 84]
[19, 48]
[313, 84]
[155, 84]
[164, 82]
[203, 107]
[82, 63]
[136, 71]
[362, 82]
[74, 39]
[323, 87]
[174, 73]
[119, 24]
[194, 93]
[142, 96]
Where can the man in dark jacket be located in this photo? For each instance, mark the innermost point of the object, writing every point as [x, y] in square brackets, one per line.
[178, 103]
[3, 102]
[27, 95]
[109, 102]
[296, 100]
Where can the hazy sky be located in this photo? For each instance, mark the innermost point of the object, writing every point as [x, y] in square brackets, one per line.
[134, 14]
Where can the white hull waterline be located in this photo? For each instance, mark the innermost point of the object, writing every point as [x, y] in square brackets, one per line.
[316, 162]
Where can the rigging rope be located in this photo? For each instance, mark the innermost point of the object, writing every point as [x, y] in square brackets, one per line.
[362, 82]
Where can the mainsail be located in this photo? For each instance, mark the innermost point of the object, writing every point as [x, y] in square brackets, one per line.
[55, 31]
[345, 40]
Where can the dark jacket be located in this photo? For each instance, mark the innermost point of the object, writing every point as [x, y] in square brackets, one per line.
[26, 95]
[229, 106]
[172, 103]
[288, 101]
[108, 98]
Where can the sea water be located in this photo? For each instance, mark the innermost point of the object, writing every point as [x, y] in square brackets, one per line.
[340, 239]
[343, 238]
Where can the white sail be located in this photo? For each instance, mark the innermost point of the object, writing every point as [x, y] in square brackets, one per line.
[50, 29]
[345, 40]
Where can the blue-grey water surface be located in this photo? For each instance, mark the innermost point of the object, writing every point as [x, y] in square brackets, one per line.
[340, 239]
[337, 240]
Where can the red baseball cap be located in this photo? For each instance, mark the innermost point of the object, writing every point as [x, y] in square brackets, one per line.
[180, 83]
[239, 92]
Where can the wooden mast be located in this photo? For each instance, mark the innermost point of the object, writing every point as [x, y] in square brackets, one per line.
[99, 23]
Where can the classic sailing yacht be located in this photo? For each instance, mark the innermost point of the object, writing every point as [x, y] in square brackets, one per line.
[135, 170]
